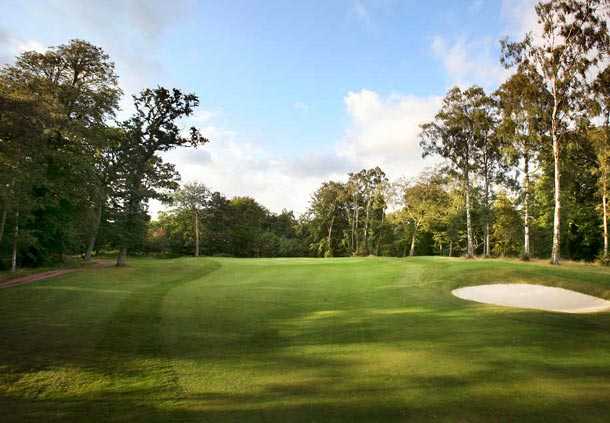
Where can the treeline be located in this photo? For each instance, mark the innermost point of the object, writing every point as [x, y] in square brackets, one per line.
[72, 177]
[203, 222]
[526, 168]
[553, 112]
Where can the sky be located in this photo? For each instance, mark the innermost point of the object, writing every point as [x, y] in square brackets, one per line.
[291, 93]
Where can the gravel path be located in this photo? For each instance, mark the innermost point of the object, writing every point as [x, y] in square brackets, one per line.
[35, 277]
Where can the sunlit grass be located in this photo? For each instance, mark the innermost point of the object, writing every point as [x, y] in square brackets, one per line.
[300, 340]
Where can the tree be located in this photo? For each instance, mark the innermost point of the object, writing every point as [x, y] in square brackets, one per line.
[374, 182]
[75, 92]
[451, 136]
[193, 198]
[365, 189]
[601, 142]
[22, 120]
[326, 206]
[574, 39]
[77, 80]
[105, 156]
[248, 224]
[523, 102]
[143, 174]
[353, 194]
[425, 202]
[482, 120]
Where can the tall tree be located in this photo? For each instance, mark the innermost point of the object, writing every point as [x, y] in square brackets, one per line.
[22, 149]
[523, 102]
[105, 171]
[482, 120]
[374, 182]
[193, 198]
[151, 130]
[451, 136]
[601, 142]
[74, 86]
[573, 40]
[354, 191]
[326, 207]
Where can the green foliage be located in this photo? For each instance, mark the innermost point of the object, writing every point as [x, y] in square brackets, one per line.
[239, 227]
[72, 180]
[507, 231]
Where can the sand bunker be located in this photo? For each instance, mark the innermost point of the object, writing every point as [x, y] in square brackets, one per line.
[539, 297]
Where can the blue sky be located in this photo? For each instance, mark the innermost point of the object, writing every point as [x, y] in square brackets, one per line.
[292, 93]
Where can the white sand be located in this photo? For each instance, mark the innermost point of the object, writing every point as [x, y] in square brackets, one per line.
[539, 297]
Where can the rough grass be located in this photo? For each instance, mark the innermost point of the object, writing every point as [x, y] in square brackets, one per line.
[300, 340]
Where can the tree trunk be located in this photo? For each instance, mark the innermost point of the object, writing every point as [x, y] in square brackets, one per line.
[557, 214]
[2, 223]
[366, 227]
[412, 251]
[329, 239]
[196, 224]
[132, 208]
[450, 248]
[15, 239]
[605, 210]
[555, 255]
[379, 234]
[470, 249]
[351, 244]
[96, 228]
[356, 218]
[122, 258]
[486, 247]
[526, 216]
[605, 167]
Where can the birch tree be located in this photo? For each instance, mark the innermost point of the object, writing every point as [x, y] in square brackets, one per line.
[326, 206]
[451, 137]
[573, 40]
[482, 122]
[523, 102]
[601, 142]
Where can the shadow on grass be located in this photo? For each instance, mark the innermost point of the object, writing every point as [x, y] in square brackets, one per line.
[415, 357]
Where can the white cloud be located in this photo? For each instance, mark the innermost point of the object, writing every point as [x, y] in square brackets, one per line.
[520, 16]
[237, 166]
[300, 106]
[11, 46]
[470, 62]
[384, 131]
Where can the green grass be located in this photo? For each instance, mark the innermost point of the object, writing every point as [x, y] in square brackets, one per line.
[284, 340]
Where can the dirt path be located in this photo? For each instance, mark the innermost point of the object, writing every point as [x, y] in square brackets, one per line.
[35, 277]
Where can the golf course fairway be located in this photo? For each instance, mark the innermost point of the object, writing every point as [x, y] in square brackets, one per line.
[314, 340]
